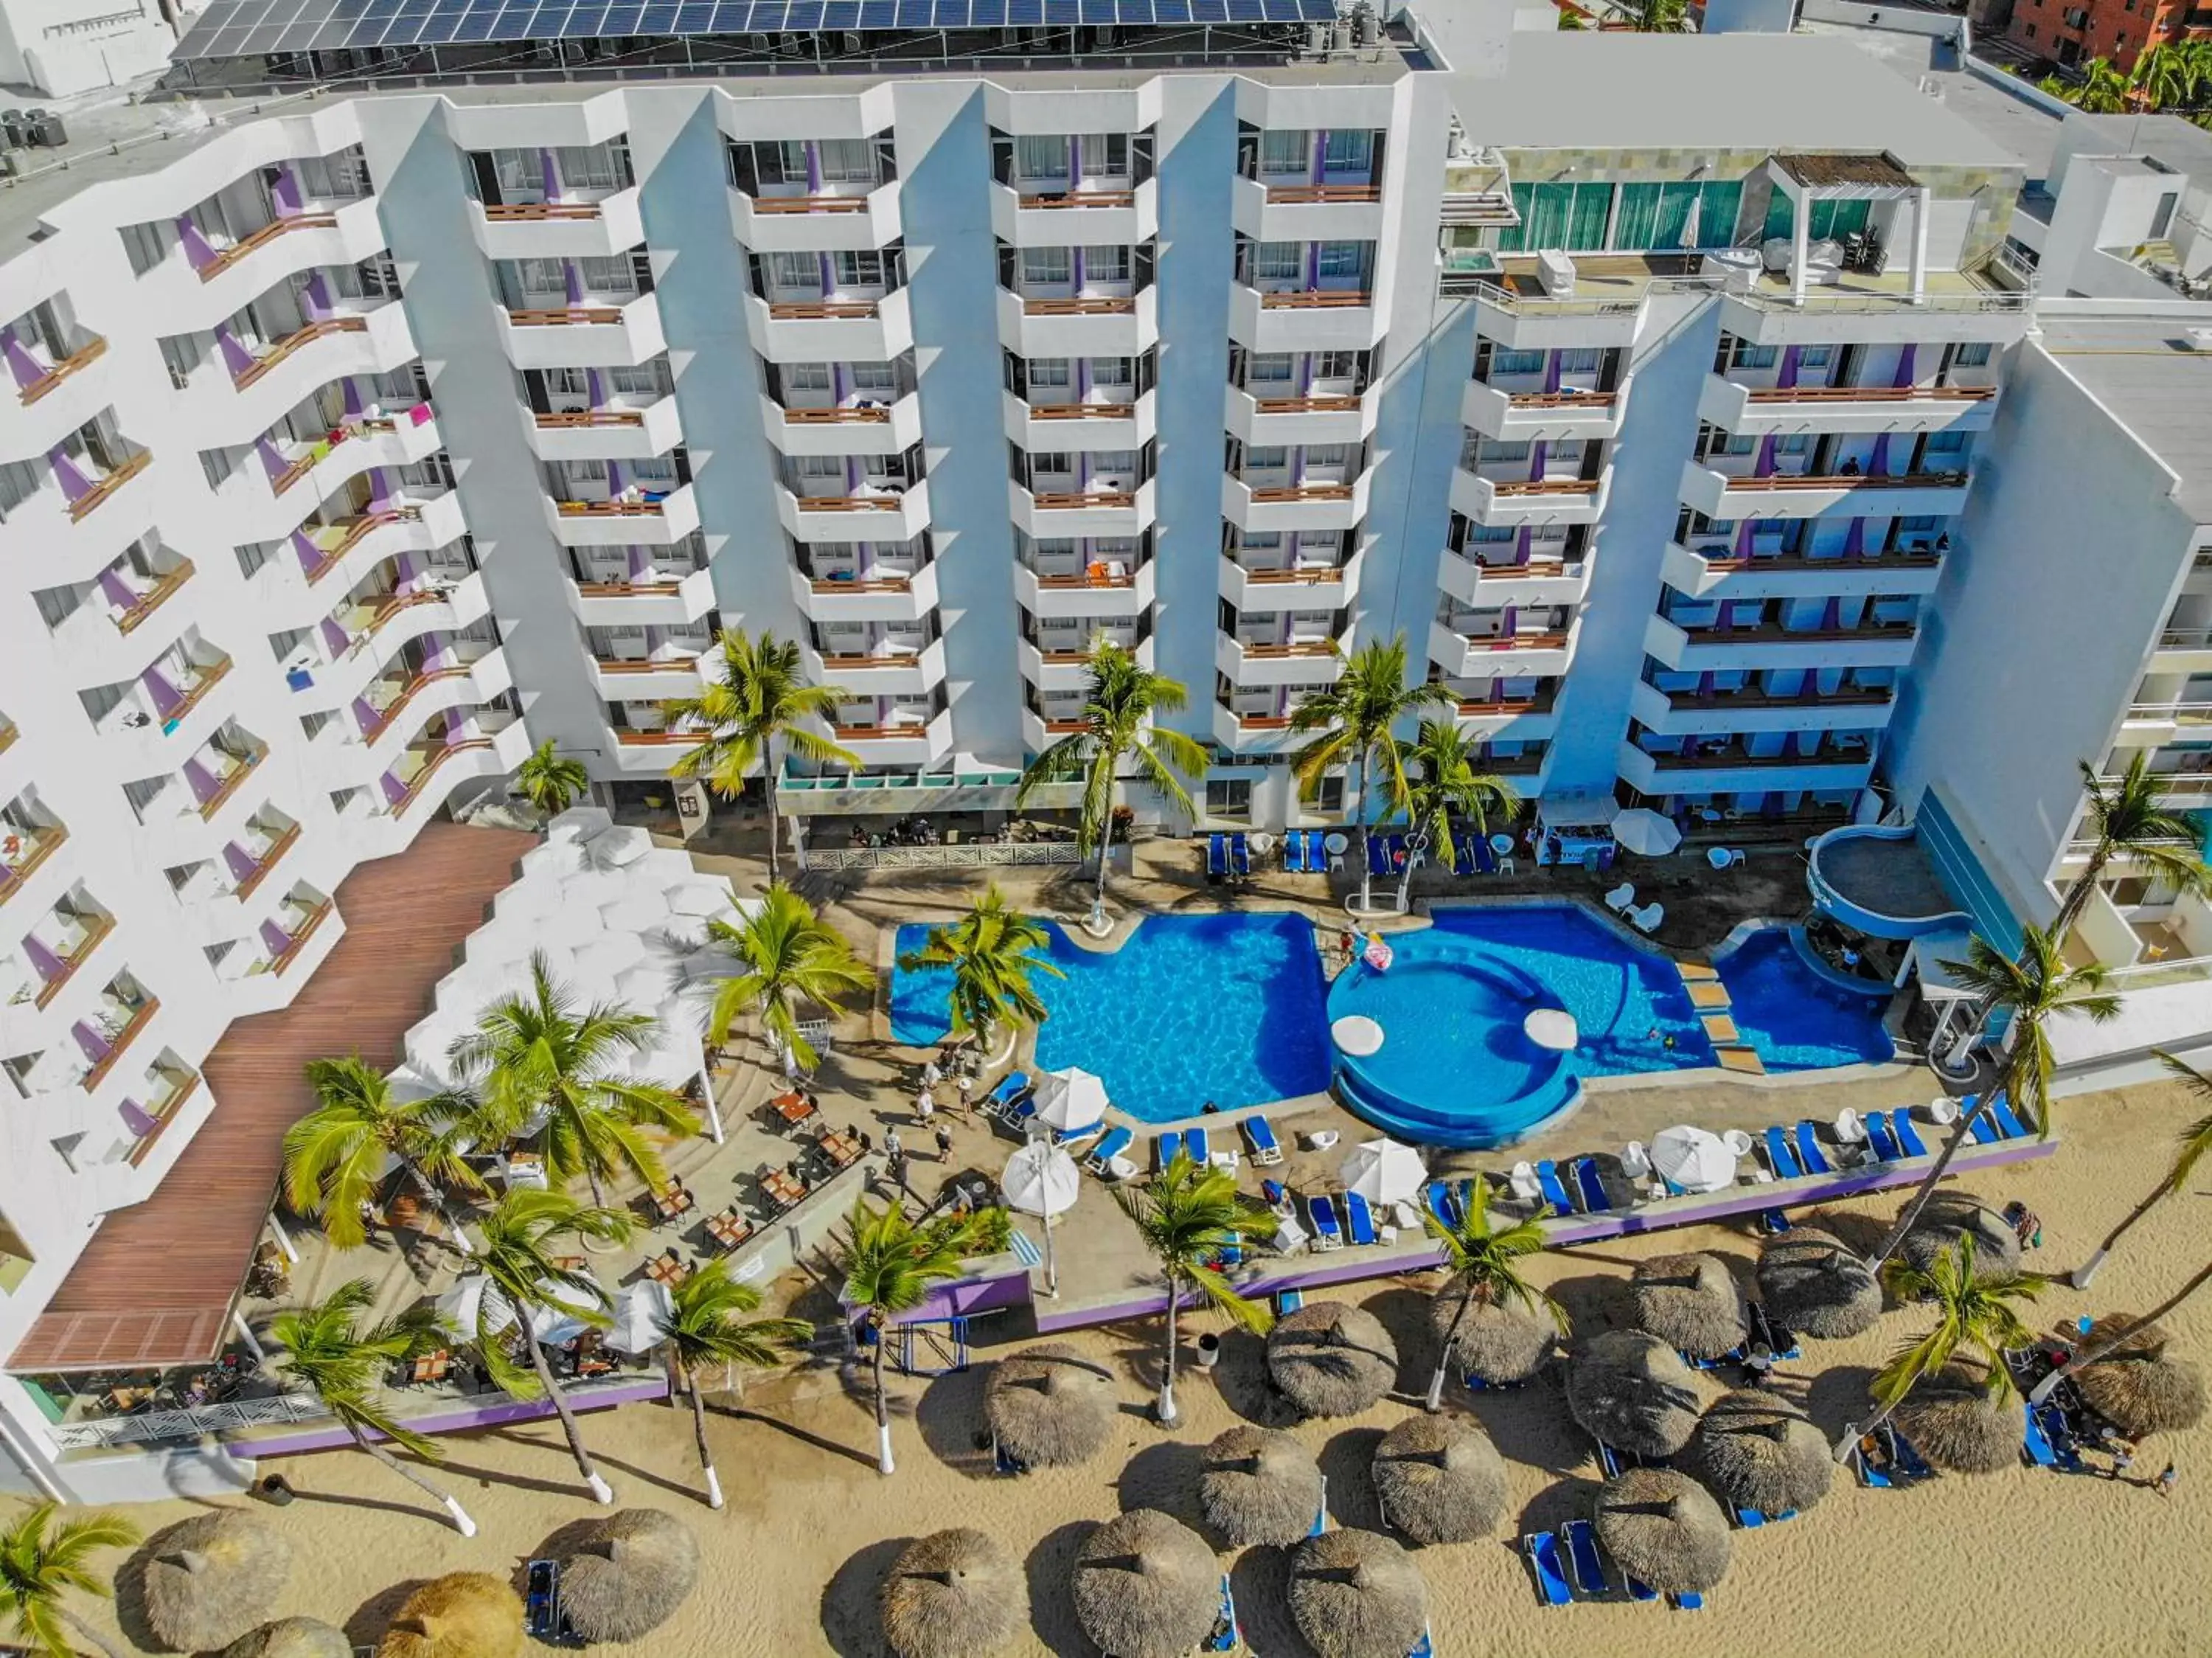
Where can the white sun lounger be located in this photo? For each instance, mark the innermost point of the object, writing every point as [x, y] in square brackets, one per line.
[1622, 898]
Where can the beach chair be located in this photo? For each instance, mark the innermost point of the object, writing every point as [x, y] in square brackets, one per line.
[1197, 1146]
[2035, 1445]
[1358, 1219]
[1779, 1158]
[1886, 1148]
[1609, 1460]
[1073, 1140]
[1910, 1462]
[999, 1102]
[1647, 919]
[1687, 1601]
[1260, 1135]
[1316, 853]
[1240, 857]
[1591, 1185]
[1749, 1519]
[1906, 1136]
[1443, 1202]
[1555, 1192]
[1100, 1157]
[1640, 1590]
[1320, 1513]
[1782, 1344]
[1004, 1462]
[1426, 1646]
[1400, 853]
[1485, 855]
[1462, 855]
[2060, 1435]
[1226, 1637]
[1216, 856]
[1164, 1146]
[1870, 1476]
[1321, 1215]
[1809, 1152]
[1231, 1252]
[1378, 855]
[1542, 1549]
[1583, 1557]
[1294, 853]
[2009, 1125]
[1288, 1301]
[1622, 898]
[1017, 1118]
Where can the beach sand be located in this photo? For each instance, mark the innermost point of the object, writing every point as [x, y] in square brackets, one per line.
[2055, 1563]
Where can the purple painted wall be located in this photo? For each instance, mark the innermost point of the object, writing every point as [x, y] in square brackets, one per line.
[487, 1410]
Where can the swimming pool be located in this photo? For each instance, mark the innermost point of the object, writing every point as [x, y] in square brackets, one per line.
[1225, 1008]
[1796, 1019]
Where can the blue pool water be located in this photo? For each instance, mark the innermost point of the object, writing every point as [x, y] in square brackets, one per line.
[1796, 1019]
[1225, 1008]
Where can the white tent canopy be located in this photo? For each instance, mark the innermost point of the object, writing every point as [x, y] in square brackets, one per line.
[640, 1311]
[1040, 1178]
[1692, 1159]
[1071, 1099]
[1644, 832]
[1384, 1172]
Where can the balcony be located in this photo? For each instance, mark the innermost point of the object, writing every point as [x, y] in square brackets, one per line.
[1097, 422]
[1755, 411]
[859, 329]
[351, 548]
[226, 782]
[1720, 649]
[636, 432]
[1506, 502]
[650, 753]
[621, 334]
[917, 742]
[1517, 656]
[560, 230]
[1303, 319]
[1730, 768]
[662, 600]
[2182, 650]
[1039, 733]
[1062, 663]
[63, 957]
[1554, 579]
[380, 623]
[119, 1029]
[1495, 717]
[2153, 725]
[1878, 309]
[659, 522]
[394, 441]
[1262, 662]
[892, 669]
[54, 395]
[1720, 495]
[886, 514]
[1694, 714]
[2189, 785]
[1603, 309]
[1101, 590]
[882, 596]
[1520, 410]
[848, 428]
[1079, 326]
[259, 864]
[1306, 213]
[1718, 572]
[1304, 587]
[480, 675]
[1050, 514]
[1255, 733]
[223, 281]
[23, 854]
[1100, 213]
[1265, 421]
[830, 223]
[680, 672]
[298, 936]
[374, 340]
[432, 773]
[131, 617]
[1314, 504]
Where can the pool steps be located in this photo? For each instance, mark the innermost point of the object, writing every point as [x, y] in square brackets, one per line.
[1710, 997]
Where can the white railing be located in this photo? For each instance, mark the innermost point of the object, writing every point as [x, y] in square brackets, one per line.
[979, 855]
[196, 1423]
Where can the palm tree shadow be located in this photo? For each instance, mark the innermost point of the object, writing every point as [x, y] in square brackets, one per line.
[1840, 1395]
[851, 1620]
[1050, 1569]
[488, 1477]
[792, 1429]
[341, 1500]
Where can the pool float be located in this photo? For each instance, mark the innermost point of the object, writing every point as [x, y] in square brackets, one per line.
[1377, 953]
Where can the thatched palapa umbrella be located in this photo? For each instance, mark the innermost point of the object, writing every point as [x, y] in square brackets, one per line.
[464, 1614]
[211, 1579]
[1632, 1391]
[1957, 1423]
[1331, 1359]
[1049, 1405]
[1440, 1479]
[1951, 1215]
[954, 1593]
[1260, 1485]
[291, 1637]
[1664, 1529]
[2141, 1386]
[629, 1575]
[1358, 1595]
[1809, 1282]
[1503, 1344]
[1690, 1303]
[1147, 1586]
[1756, 1450]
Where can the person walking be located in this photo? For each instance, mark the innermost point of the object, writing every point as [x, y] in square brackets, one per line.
[943, 1143]
[966, 1084]
[931, 1076]
[2166, 1478]
[924, 1106]
[2123, 1457]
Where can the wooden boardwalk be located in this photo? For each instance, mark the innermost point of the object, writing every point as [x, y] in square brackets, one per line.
[156, 1283]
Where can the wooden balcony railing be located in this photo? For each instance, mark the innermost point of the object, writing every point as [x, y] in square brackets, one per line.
[826, 584]
[820, 310]
[611, 509]
[1052, 201]
[1280, 406]
[1260, 722]
[44, 845]
[285, 957]
[1720, 559]
[628, 589]
[1852, 481]
[356, 530]
[877, 413]
[1297, 195]
[7, 735]
[638, 665]
[1062, 728]
[1331, 299]
[328, 328]
[438, 757]
[1310, 575]
[1565, 400]
[537, 212]
[880, 732]
[155, 597]
[1536, 570]
[632, 739]
[83, 357]
[1533, 486]
[210, 678]
[1076, 500]
[810, 203]
[408, 692]
[1871, 394]
[1499, 641]
[850, 502]
[1723, 702]
[1296, 648]
[140, 1017]
[1733, 759]
[171, 1108]
[392, 604]
[1083, 410]
[1065, 658]
[260, 872]
[268, 233]
[1294, 492]
[1086, 578]
[555, 422]
[100, 927]
[81, 507]
[1767, 634]
[1099, 307]
[231, 783]
[1500, 706]
[573, 316]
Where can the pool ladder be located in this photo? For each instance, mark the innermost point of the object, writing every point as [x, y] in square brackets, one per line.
[1710, 997]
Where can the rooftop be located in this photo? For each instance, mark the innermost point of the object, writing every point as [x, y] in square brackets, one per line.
[2142, 365]
[2023, 129]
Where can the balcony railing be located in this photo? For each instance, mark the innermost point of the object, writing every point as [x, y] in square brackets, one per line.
[1544, 486]
[1720, 702]
[81, 507]
[1260, 722]
[294, 342]
[629, 738]
[268, 233]
[260, 873]
[139, 1021]
[356, 531]
[1738, 758]
[1330, 298]
[285, 957]
[44, 845]
[1083, 410]
[1565, 400]
[538, 212]
[1496, 706]
[1099, 305]
[408, 692]
[1513, 641]
[1279, 405]
[1078, 198]
[171, 1109]
[886, 502]
[771, 204]
[420, 780]
[1871, 394]
[155, 597]
[610, 509]
[99, 930]
[1535, 570]
[1850, 481]
[572, 316]
[209, 679]
[230, 785]
[642, 665]
[1303, 576]
[1093, 576]
[81, 358]
[1769, 634]
[1280, 651]
[2196, 785]
[820, 310]
[1076, 500]
[879, 733]
[1309, 194]
[584, 418]
[1727, 558]
[2185, 638]
[835, 584]
[2176, 713]
[877, 413]
[1291, 492]
[628, 589]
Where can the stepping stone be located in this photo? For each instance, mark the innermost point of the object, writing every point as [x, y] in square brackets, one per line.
[1722, 1030]
[1742, 1059]
[1708, 994]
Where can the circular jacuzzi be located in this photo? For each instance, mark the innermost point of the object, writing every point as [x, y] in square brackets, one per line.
[1456, 1066]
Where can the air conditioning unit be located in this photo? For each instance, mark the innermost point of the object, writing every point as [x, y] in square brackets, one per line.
[2197, 339]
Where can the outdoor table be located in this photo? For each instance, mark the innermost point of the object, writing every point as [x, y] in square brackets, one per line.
[792, 1107]
[667, 1268]
[782, 1191]
[672, 1200]
[840, 1148]
[729, 1229]
[431, 1366]
[526, 1168]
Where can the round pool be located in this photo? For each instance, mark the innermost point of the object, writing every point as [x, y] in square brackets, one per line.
[1456, 1067]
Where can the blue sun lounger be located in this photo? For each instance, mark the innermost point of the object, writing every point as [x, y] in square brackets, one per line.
[1809, 1152]
[1316, 853]
[1288, 1301]
[1426, 1646]
[1910, 1462]
[1590, 1186]
[1216, 856]
[1378, 855]
[1322, 1214]
[2053, 1421]
[1782, 1344]
[1240, 858]
[1555, 1193]
[1294, 853]
[1004, 1462]
[1118, 1140]
[2009, 1123]
[1879, 1136]
[1443, 1202]
[1486, 855]
[1226, 1637]
[1260, 1135]
[1462, 855]
[1908, 1137]
[1196, 1147]
[1399, 854]
[2035, 1444]
[1542, 1549]
[1687, 1601]
[1358, 1219]
[999, 1102]
[1584, 1559]
[1321, 1511]
[1609, 1460]
[1749, 1519]
[1640, 1590]
[1983, 1127]
[1164, 1146]
[1779, 1157]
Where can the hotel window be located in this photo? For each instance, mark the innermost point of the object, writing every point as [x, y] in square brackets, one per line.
[1229, 797]
[1973, 355]
[1282, 152]
[1348, 152]
[795, 270]
[847, 160]
[1583, 360]
[1045, 267]
[1268, 368]
[1503, 363]
[1342, 259]
[1113, 371]
[1270, 459]
[859, 270]
[1106, 265]
[1277, 261]
[1038, 157]
[1336, 365]
[1105, 154]
[806, 377]
[1047, 371]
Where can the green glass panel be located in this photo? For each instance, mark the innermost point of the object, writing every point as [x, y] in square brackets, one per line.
[1779, 218]
[1678, 205]
[1514, 238]
[1593, 208]
[1718, 207]
[1633, 227]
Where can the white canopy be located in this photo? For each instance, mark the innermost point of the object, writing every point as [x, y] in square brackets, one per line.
[579, 823]
[1070, 1099]
[552, 858]
[1644, 832]
[1384, 1172]
[528, 899]
[609, 953]
[1692, 1159]
[1040, 1178]
[702, 897]
[619, 846]
[641, 1310]
[635, 913]
[471, 1296]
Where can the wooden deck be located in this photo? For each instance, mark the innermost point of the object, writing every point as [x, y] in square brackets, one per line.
[156, 1283]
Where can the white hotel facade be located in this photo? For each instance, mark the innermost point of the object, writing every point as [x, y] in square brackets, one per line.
[361, 442]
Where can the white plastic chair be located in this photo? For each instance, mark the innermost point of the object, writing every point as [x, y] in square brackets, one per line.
[1942, 1112]
[1635, 1162]
[1523, 1181]
[1648, 919]
[1849, 1129]
[1724, 857]
[1622, 898]
[1738, 1142]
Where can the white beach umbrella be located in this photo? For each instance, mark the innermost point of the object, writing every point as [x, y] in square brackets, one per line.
[1357, 1034]
[637, 913]
[619, 846]
[1644, 832]
[1040, 1178]
[1692, 1159]
[700, 898]
[1384, 1172]
[460, 1301]
[1069, 1100]
[553, 1320]
[550, 860]
[579, 823]
[641, 1310]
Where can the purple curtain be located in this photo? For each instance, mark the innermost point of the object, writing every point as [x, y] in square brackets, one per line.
[202, 781]
[1744, 531]
[1320, 154]
[285, 193]
[1763, 466]
[74, 484]
[272, 460]
[572, 282]
[1832, 615]
[21, 362]
[814, 166]
[379, 491]
[240, 860]
[49, 967]
[1509, 623]
[119, 593]
[1787, 379]
[96, 1047]
[394, 790]
[595, 387]
[366, 714]
[135, 1119]
[1524, 545]
[1905, 374]
[235, 357]
[275, 938]
[352, 399]
[1878, 463]
[310, 556]
[1708, 682]
[335, 639]
[315, 298]
[1551, 371]
[1854, 540]
[165, 695]
[1538, 452]
[548, 175]
[197, 250]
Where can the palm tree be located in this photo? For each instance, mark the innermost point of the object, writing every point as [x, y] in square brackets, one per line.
[992, 950]
[41, 1561]
[1118, 728]
[1660, 16]
[2167, 74]
[889, 1262]
[2131, 830]
[2195, 1142]
[1355, 718]
[1973, 1317]
[786, 955]
[2034, 989]
[1482, 1262]
[343, 1365]
[2096, 1351]
[1186, 1217]
[706, 1326]
[2102, 90]
[334, 1157]
[549, 783]
[753, 711]
[522, 1274]
[1447, 787]
[535, 1053]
